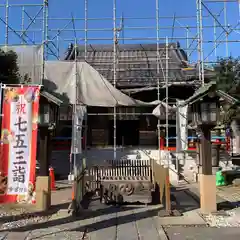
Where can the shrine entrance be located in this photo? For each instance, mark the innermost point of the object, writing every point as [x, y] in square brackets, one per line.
[127, 132]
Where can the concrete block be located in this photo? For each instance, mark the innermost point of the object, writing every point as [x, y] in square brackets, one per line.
[208, 195]
[43, 193]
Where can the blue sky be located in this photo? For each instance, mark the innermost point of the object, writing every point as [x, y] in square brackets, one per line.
[126, 8]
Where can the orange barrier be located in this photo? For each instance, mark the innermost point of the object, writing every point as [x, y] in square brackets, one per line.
[52, 178]
[73, 193]
[162, 142]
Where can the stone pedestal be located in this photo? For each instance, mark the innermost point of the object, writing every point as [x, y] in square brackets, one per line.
[208, 195]
[43, 193]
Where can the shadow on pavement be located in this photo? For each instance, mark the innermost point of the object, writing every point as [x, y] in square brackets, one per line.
[181, 201]
[226, 205]
[222, 204]
[93, 226]
[53, 209]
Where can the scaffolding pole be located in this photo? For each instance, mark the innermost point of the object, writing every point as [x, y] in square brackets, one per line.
[158, 80]
[58, 30]
[6, 22]
[44, 35]
[114, 79]
[85, 58]
[23, 25]
[51, 37]
[215, 37]
[75, 110]
[227, 29]
[75, 104]
[167, 101]
[200, 41]
[226, 24]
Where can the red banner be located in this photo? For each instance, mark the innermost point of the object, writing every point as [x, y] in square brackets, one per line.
[19, 144]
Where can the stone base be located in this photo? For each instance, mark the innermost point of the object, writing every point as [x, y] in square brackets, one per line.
[43, 193]
[208, 196]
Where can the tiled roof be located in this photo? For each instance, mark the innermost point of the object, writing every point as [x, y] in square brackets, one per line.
[200, 92]
[136, 63]
[51, 98]
[204, 90]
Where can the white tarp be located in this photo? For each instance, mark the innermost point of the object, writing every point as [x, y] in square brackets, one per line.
[160, 110]
[30, 60]
[73, 80]
[182, 126]
[80, 80]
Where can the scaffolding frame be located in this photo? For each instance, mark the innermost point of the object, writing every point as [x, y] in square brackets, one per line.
[194, 40]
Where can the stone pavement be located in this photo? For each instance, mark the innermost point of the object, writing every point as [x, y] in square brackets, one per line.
[202, 233]
[63, 195]
[230, 193]
[126, 222]
[228, 200]
[100, 222]
[132, 222]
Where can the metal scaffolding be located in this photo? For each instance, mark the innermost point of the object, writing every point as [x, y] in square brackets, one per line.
[207, 25]
[224, 29]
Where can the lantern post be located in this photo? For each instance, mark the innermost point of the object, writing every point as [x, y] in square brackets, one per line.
[205, 115]
[48, 118]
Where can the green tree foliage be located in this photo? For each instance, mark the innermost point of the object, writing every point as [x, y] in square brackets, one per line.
[9, 71]
[227, 78]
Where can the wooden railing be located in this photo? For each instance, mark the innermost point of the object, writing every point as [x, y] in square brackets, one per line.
[119, 170]
[89, 179]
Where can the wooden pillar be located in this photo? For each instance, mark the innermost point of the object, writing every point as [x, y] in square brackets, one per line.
[206, 152]
[167, 191]
[43, 190]
[207, 180]
[44, 151]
